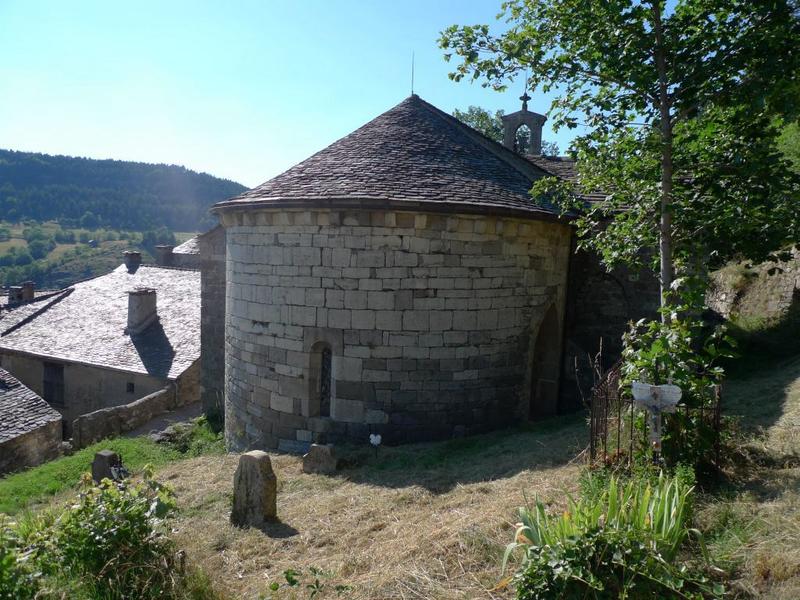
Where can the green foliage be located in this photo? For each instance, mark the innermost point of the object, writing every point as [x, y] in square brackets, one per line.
[198, 438]
[155, 237]
[679, 102]
[684, 351]
[110, 543]
[116, 194]
[35, 485]
[620, 540]
[316, 583]
[16, 581]
[112, 538]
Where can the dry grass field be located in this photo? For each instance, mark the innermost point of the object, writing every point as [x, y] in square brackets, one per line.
[432, 520]
[753, 522]
[422, 521]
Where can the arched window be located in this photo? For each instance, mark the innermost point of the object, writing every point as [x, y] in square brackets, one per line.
[320, 380]
[522, 139]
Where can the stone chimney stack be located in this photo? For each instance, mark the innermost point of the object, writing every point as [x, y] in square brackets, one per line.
[28, 288]
[14, 295]
[534, 122]
[141, 310]
[132, 260]
[164, 256]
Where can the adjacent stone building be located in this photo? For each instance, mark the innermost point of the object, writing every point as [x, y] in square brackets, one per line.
[30, 430]
[109, 340]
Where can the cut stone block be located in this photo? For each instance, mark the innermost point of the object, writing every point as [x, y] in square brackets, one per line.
[255, 490]
[106, 465]
[321, 458]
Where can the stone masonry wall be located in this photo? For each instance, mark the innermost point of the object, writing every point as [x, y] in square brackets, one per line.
[430, 320]
[31, 449]
[212, 327]
[599, 307]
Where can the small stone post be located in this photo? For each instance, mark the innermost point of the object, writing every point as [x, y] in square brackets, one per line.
[321, 459]
[255, 490]
[102, 463]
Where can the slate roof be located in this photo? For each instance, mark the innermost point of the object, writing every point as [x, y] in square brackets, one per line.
[21, 409]
[190, 246]
[86, 323]
[563, 167]
[413, 156]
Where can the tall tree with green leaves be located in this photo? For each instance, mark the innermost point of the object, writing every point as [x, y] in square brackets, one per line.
[679, 103]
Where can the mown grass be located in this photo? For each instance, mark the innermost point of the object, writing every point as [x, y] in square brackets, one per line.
[752, 520]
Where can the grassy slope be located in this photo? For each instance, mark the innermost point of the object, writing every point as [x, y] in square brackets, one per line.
[34, 486]
[421, 521]
[753, 525]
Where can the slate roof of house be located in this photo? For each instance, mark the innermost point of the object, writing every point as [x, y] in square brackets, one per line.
[190, 246]
[413, 156]
[86, 323]
[21, 409]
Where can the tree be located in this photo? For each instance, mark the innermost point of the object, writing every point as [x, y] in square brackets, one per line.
[492, 127]
[679, 104]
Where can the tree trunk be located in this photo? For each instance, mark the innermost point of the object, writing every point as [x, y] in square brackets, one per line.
[665, 223]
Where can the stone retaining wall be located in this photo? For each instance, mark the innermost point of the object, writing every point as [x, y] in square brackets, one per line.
[32, 448]
[113, 421]
[430, 320]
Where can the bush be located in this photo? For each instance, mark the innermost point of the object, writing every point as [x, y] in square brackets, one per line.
[109, 544]
[15, 580]
[622, 540]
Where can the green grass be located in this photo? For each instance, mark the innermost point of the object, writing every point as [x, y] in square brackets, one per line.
[33, 486]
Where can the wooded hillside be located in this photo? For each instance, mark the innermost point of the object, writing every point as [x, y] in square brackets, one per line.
[107, 193]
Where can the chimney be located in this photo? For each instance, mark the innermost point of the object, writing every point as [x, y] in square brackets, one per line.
[15, 295]
[164, 256]
[132, 260]
[533, 121]
[141, 310]
[28, 288]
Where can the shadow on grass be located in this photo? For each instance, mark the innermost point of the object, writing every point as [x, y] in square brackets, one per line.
[278, 530]
[759, 401]
[441, 466]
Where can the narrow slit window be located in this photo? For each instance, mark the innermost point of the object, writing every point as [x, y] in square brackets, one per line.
[325, 383]
[130, 388]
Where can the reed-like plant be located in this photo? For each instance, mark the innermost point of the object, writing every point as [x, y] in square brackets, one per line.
[642, 521]
[659, 513]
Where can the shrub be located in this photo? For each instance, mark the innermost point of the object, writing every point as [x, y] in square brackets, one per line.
[683, 351]
[16, 581]
[111, 540]
[622, 541]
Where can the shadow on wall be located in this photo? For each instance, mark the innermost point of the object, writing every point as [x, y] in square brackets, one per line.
[440, 466]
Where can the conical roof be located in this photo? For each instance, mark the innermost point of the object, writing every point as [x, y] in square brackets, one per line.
[411, 157]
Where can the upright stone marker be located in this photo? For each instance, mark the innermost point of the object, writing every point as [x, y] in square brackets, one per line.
[321, 458]
[255, 490]
[103, 463]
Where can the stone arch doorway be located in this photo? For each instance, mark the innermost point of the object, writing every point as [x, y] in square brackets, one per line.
[545, 367]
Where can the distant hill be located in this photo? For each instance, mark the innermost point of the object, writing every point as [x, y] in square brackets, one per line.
[113, 194]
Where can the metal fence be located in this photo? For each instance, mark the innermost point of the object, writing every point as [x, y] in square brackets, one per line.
[616, 427]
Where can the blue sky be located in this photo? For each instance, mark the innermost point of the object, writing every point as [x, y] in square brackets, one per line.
[239, 89]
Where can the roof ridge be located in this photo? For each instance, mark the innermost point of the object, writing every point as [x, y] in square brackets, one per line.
[514, 160]
[36, 313]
